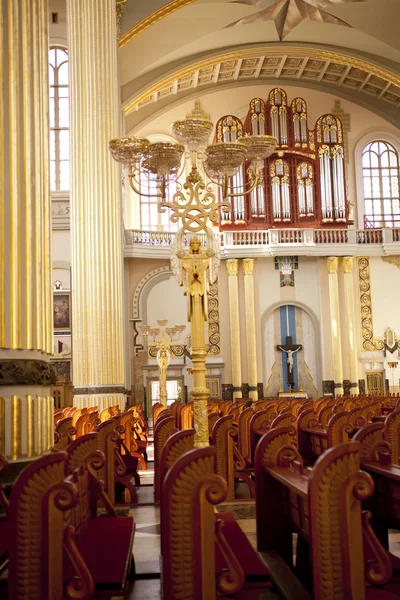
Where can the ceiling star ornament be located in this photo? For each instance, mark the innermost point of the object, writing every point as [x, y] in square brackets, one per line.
[287, 14]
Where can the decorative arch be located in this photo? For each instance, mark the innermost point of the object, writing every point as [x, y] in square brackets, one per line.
[144, 287]
[317, 331]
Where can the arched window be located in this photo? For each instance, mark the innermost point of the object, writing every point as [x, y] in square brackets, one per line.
[380, 168]
[59, 119]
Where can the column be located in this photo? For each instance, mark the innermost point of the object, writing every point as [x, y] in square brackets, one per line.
[26, 328]
[236, 366]
[351, 322]
[96, 215]
[333, 264]
[248, 269]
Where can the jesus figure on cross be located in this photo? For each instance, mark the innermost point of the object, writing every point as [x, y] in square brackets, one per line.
[289, 359]
[290, 349]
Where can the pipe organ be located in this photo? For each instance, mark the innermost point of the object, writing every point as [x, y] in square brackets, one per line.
[303, 181]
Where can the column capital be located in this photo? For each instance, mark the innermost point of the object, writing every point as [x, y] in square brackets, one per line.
[248, 266]
[232, 266]
[347, 264]
[333, 264]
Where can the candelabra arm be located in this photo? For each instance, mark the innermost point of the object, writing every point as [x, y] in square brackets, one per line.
[253, 184]
[161, 194]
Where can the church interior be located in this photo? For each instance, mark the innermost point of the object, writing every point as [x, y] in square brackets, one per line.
[199, 284]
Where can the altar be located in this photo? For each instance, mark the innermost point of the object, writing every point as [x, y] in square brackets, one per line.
[300, 395]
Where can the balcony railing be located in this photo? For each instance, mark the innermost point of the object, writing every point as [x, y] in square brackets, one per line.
[275, 241]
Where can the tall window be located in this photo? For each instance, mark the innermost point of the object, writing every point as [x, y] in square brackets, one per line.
[151, 219]
[59, 119]
[380, 164]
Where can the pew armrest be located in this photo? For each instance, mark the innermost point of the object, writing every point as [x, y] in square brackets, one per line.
[283, 577]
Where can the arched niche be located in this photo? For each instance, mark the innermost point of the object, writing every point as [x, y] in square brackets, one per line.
[308, 362]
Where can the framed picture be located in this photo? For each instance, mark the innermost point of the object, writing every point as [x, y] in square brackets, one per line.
[62, 311]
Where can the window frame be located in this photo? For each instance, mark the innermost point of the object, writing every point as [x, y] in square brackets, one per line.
[373, 136]
[57, 128]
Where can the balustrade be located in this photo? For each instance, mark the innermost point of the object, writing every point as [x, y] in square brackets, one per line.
[272, 238]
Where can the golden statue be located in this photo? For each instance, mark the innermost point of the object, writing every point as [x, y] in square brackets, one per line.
[196, 263]
[194, 270]
[163, 357]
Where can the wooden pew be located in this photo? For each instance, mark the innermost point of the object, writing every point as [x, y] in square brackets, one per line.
[63, 434]
[105, 543]
[113, 473]
[163, 429]
[230, 464]
[59, 548]
[175, 446]
[37, 532]
[376, 459]
[323, 506]
[198, 561]
[313, 441]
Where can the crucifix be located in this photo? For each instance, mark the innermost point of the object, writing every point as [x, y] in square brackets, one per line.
[290, 349]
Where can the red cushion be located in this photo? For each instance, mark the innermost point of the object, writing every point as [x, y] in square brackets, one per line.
[4, 538]
[243, 550]
[131, 462]
[107, 549]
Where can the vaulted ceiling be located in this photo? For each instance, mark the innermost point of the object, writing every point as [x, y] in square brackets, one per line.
[169, 50]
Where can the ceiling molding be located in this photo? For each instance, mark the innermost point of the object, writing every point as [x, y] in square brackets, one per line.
[154, 17]
[301, 64]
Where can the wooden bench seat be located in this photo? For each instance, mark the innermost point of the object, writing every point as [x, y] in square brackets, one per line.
[336, 548]
[59, 547]
[105, 542]
[198, 560]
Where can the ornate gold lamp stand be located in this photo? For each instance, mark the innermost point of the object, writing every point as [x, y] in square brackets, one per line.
[163, 338]
[195, 251]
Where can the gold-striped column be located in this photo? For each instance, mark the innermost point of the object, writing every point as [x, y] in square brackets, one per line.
[248, 269]
[26, 329]
[236, 366]
[96, 216]
[351, 322]
[333, 264]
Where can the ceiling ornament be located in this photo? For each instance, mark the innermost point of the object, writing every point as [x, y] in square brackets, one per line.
[287, 14]
[309, 65]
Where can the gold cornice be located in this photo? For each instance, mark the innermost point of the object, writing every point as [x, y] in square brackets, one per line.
[267, 52]
[163, 11]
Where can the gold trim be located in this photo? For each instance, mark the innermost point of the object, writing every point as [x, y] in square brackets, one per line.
[232, 266]
[265, 51]
[39, 425]
[29, 425]
[214, 335]
[153, 18]
[369, 343]
[2, 425]
[347, 264]
[15, 427]
[333, 264]
[248, 266]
